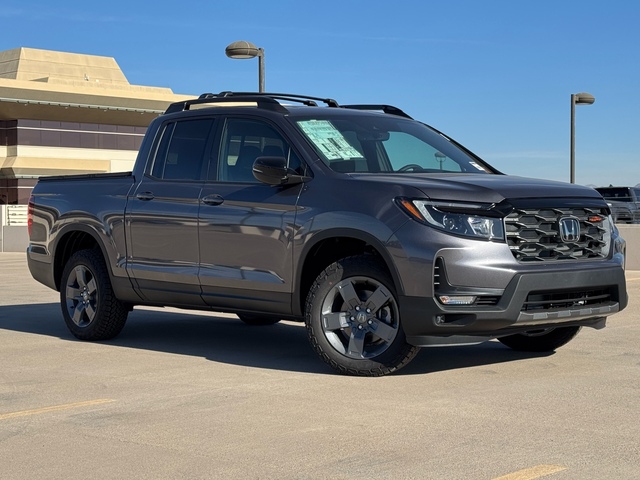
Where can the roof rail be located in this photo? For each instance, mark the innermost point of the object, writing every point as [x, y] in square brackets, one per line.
[271, 101]
[390, 109]
[262, 101]
[292, 97]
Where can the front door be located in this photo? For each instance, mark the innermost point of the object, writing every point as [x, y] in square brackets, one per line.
[246, 226]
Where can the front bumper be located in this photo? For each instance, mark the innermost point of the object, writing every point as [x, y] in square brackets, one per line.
[424, 317]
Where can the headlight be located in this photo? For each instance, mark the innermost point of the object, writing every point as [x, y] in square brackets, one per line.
[456, 218]
[609, 230]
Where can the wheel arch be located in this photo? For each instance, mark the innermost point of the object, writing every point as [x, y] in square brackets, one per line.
[72, 240]
[330, 246]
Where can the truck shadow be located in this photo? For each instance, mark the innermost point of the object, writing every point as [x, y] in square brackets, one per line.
[283, 346]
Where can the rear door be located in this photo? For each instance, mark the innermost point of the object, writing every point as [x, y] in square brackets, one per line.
[246, 227]
[162, 215]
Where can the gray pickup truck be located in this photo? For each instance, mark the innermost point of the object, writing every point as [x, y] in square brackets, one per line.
[624, 203]
[379, 232]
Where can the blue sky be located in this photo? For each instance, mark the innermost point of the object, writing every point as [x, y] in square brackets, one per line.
[496, 75]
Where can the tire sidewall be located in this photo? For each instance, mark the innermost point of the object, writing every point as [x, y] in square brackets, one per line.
[106, 324]
[398, 352]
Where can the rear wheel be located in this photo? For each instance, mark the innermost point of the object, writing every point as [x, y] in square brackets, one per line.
[543, 340]
[89, 306]
[353, 320]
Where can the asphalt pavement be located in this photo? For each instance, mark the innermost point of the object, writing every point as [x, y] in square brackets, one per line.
[198, 396]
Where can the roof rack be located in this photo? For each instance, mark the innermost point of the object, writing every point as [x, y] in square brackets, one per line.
[390, 109]
[271, 101]
[265, 102]
[304, 99]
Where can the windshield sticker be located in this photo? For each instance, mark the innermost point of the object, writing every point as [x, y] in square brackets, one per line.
[329, 140]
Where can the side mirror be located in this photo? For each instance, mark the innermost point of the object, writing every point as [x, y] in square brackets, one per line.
[274, 171]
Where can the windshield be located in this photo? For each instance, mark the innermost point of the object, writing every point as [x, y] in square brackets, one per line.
[371, 143]
[619, 194]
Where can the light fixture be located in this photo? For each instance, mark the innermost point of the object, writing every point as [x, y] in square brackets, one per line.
[457, 299]
[243, 50]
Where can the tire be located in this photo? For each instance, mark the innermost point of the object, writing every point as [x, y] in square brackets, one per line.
[546, 340]
[353, 320]
[257, 320]
[89, 306]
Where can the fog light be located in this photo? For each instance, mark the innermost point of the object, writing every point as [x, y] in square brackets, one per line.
[457, 299]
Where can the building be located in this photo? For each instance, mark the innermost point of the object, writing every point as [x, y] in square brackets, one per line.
[67, 113]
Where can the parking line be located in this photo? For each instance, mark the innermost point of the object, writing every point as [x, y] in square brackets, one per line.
[54, 408]
[532, 473]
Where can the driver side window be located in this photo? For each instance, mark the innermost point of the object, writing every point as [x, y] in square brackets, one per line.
[243, 141]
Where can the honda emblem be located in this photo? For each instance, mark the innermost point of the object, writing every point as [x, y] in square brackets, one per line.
[569, 228]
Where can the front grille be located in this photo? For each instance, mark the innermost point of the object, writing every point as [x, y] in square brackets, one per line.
[533, 234]
[487, 300]
[537, 301]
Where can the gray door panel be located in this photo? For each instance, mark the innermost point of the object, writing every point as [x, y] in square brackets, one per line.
[163, 241]
[245, 245]
[162, 215]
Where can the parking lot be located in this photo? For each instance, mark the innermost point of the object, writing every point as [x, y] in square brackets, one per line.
[190, 395]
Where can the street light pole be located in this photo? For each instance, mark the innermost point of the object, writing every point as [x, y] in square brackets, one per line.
[243, 50]
[576, 99]
[261, 70]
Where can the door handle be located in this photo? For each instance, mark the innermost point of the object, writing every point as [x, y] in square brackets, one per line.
[145, 196]
[213, 200]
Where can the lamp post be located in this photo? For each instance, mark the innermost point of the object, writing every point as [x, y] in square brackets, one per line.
[243, 50]
[577, 99]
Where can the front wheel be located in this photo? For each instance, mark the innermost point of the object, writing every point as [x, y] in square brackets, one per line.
[89, 305]
[544, 340]
[353, 320]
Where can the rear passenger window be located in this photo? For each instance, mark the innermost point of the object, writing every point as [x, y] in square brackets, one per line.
[180, 152]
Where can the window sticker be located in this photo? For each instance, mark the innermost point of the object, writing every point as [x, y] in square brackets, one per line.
[329, 140]
[478, 166]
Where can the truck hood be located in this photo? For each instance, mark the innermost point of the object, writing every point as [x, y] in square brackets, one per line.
[483, 188]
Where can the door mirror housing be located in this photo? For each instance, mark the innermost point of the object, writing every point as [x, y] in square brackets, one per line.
[274, 171]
